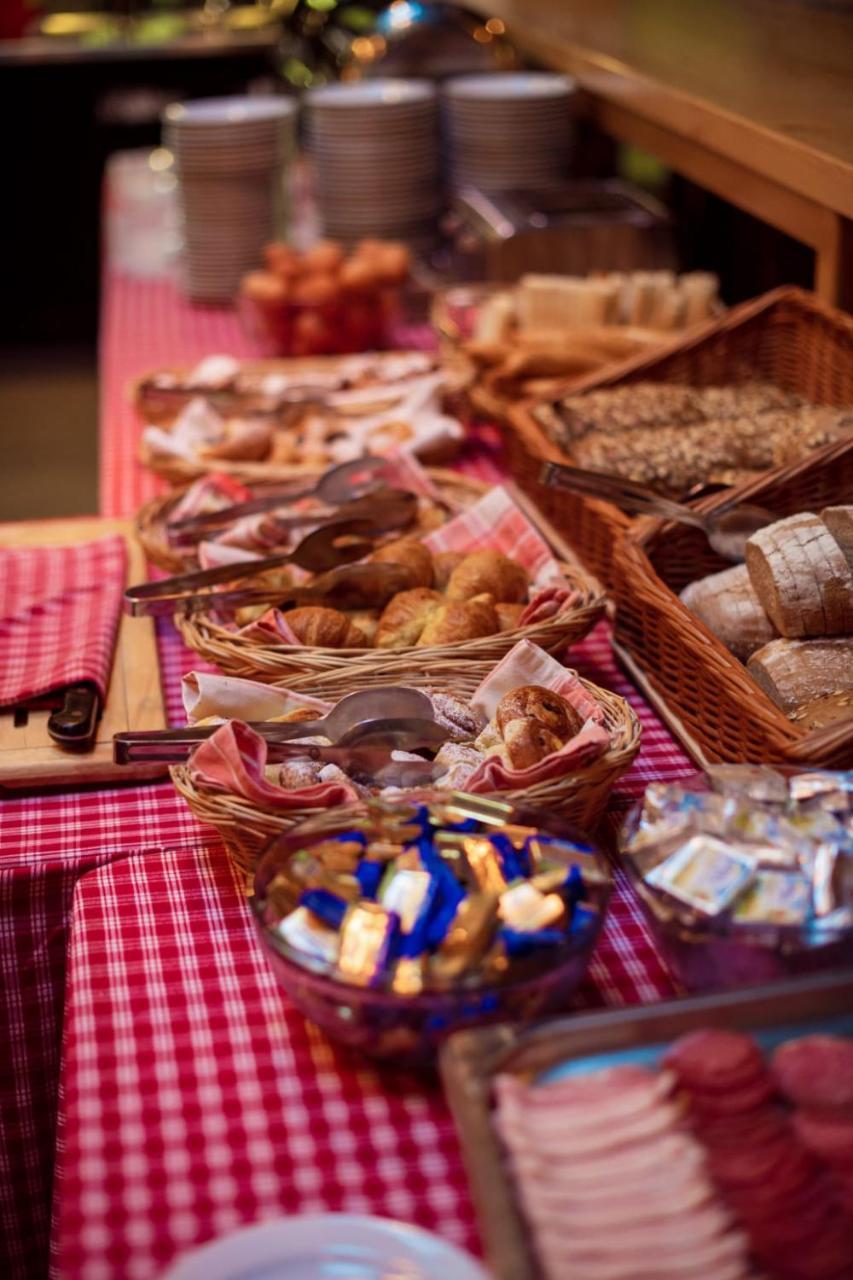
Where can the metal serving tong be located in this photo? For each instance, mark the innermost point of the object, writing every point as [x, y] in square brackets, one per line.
[343, 483]
[390, 715]
[323, 550]
[727, 529]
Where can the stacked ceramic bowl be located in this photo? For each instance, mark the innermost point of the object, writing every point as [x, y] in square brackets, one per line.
[376, 159]
[231, 157]
[508, 130]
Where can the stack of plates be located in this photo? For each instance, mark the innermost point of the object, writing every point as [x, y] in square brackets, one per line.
[508, 130]
[231, 158]
[376, 160]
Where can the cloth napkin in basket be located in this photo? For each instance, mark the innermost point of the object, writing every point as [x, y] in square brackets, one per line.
[59, 614]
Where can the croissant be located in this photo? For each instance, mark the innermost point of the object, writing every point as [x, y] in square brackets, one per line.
[412, 555]
[533, 702]
[460, 620]
[528, 741]
[443, 565]
[365, 620]
[404, 617]
[509, 615]
[488, 571]
[326, 628]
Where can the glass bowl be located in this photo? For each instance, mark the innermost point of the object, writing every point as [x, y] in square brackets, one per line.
[409, 1029]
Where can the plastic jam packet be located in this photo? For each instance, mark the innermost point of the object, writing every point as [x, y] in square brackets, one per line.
[705, 873]
[774, 897]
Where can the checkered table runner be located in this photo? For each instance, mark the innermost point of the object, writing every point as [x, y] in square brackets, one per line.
[108, 843]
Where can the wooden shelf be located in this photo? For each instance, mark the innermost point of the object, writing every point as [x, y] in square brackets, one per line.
[752, 99]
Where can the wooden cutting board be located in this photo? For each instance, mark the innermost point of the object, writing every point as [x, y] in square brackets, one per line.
[28, 756]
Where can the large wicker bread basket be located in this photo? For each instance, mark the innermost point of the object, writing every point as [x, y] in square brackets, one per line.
[581, 796]
[704, 687]
[786, 337]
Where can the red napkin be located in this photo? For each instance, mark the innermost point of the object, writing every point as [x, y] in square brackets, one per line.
[234, 758]
[59, 613]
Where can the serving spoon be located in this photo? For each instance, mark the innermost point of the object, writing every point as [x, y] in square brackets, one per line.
[727, 529]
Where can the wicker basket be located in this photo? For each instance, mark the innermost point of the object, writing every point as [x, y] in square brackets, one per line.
[151, 520]
[718, 703]
[346, 670]
[787, 337]
[581, 797]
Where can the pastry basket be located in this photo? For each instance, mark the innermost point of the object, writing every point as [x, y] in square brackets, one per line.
[703, 692]
[786, 337]
[333, 672]
[579, 797]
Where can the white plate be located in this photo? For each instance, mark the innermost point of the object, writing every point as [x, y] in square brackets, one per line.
[323, 1246]
[502, 85]
[205, 112]
[371, 93]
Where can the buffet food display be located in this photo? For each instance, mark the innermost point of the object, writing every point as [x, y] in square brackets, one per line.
[405, 769]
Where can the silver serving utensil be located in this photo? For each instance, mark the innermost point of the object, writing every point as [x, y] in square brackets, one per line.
[384, 508]
[370, 763]
[172, 746]
[727, 529]
[339, 484]
[323, 549]
[366, 706]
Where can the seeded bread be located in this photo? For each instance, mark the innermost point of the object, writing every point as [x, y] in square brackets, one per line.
[729, 607]
[801, 577]
[820, 712]
[798, 672]
[839, 522]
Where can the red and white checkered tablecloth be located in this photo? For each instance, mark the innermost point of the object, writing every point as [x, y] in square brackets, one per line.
[133, 1132]
[195, 1099]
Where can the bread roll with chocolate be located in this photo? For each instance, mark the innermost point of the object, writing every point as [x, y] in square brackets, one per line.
[405, 616]
[325, 628]
[839, 522]
[528, 741]
[412, 555]
[801, 577]
[727, 604]
[488, 572]
[456, 620]
[299, 715]
[534, 702]
[796, 672]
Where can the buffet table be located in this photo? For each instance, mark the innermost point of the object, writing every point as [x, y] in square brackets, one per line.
[191, 1098]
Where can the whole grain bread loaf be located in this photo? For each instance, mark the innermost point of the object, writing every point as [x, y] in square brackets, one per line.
[797, 672]
[801, 577]
[727, 604]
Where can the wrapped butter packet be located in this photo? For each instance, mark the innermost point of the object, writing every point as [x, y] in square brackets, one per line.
[306, 934]
[750, 784]
[705, 873]
[367, 937]
[774, 898]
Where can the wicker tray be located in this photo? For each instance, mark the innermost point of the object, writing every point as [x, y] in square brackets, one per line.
[333, 671]
[581, 797]
[151, 520]
[703, 687]
[787, 337]
[470, 1060]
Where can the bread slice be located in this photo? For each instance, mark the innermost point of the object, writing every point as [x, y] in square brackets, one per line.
[839, 522]
[801, 577]
[796, 672]
[729, 607]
